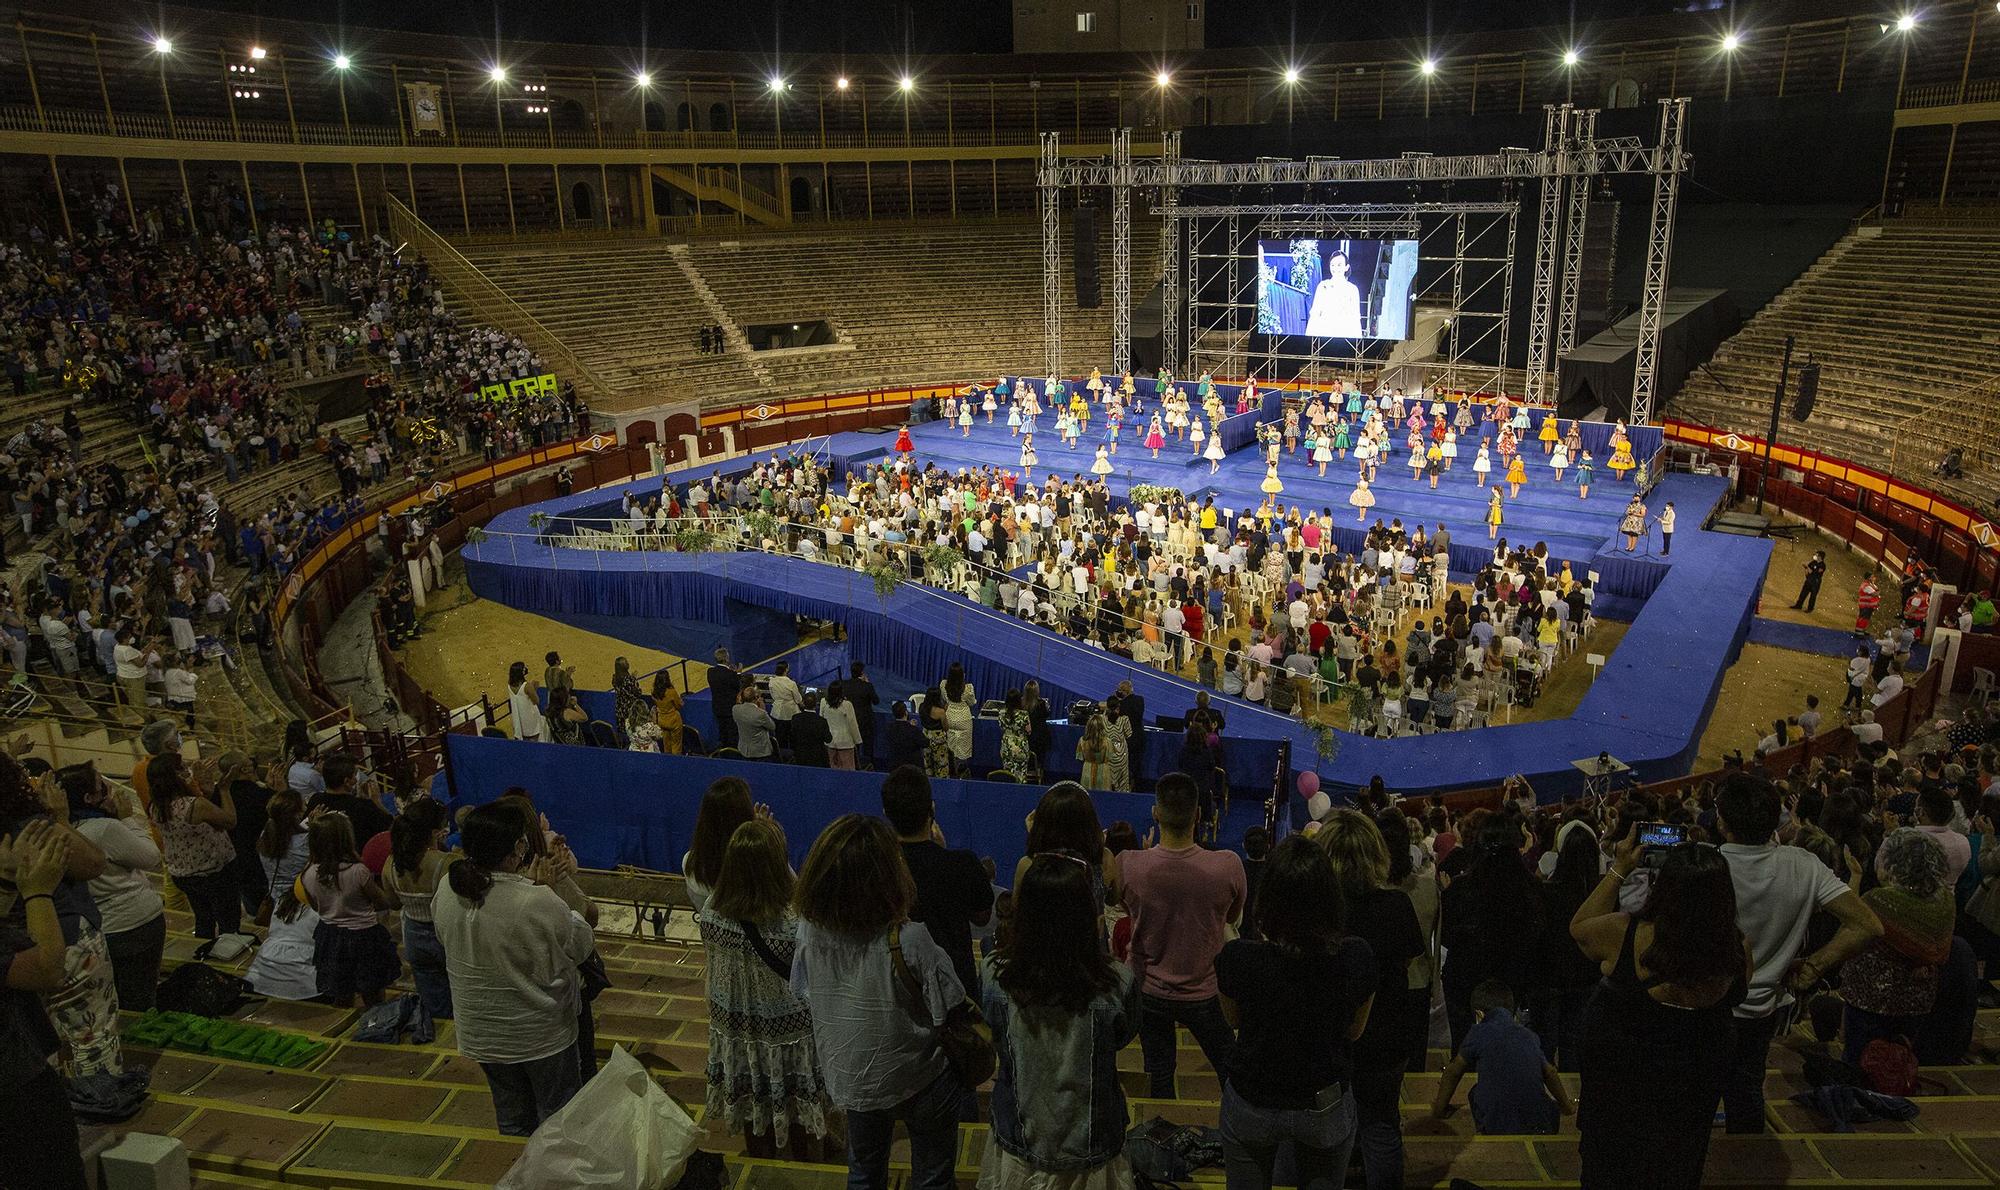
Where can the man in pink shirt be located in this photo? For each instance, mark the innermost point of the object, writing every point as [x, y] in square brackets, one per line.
[1180, 896]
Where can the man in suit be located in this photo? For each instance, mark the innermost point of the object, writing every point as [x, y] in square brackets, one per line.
[861, 692]
[756, 731]
[724, 684]
[810, 734]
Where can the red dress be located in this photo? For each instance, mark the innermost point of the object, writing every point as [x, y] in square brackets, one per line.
[903, 443]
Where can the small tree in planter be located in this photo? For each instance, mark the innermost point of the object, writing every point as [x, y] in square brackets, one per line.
[941, 562]
[763, 527]
[886, 579]
[475, 535]
[538, 521]
[693, 539]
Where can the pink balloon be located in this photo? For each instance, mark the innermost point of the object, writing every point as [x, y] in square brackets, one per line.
[1308, 783]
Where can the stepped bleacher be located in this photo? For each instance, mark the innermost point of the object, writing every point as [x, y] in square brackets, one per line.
[907, 303]
[421, 1116]
[1903, 319]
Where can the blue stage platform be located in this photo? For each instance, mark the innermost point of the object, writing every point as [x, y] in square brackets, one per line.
[1647, 707]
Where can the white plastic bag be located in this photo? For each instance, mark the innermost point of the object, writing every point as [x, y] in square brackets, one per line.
[620, 1130]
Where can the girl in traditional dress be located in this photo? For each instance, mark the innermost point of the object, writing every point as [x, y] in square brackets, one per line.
[1114, 418]
[1096, 385]
[903, 443]
[1560, 461]
[1178, 416]
[1028, 458]
[1450, 448]
[1362, 499]
[1271, 486]
[1341, 440]
[1065, 429]
[989, 406]
[1033, 403]
[1501, 411]
[1494, 514]
[1520, 422]
[1548, 434]
[1205, 387]
[1634, 522]
[1323, 452]
[1517, 474]
[1434, 462]
[1195, 434]
[951, 409]
[1014, 419]
[1574, 440]
[1079, 412]
[1508, 443]
[1482, 466]
[1438, 428]
[1212, 405]
[965, 418]
[1583, 476]
[1154, 438]
[1103, 464]
[1621, 456]
[1463, 420]
[1416, 445]
[1214, 453]
[1354, 402]
[1291, 430]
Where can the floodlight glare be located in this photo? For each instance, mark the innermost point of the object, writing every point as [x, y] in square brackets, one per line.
[162, 45]
[1571, 57]
[498, 74]
[342, 62]
[1292, 74]
[643, 79]
[1730, 41]
[1429, 66]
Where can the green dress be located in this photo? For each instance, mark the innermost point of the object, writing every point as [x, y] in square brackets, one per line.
[1015, 755]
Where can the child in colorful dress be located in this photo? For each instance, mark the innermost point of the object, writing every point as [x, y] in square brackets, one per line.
[1482, 466]
[1494, 514]
[1517, 474]
[1362, 499]
[1416, 445]
[1520, 422]
[989, 406]
[1291, 431]
[1079, 412]
[965, 419]
[1364, 454]
[1114, 417]
[1583, 476]
[1560, 461]
[1028, 458]
[1323, 453]
[1195, 434]
[1272, 485]
[1014, 419]
[903, 444]
[1574, 440]
[1464, 418]
[1214, 453]
[1621, 455]
[1508, 443]
[1450, 448]
[1103, 464]
[1154, 438]
[951, 409]
[1548, 434]
[1341, 441]
[1434, 462]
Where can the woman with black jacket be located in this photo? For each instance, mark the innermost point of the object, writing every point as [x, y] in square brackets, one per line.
[1492, 924]
[1556, 1011]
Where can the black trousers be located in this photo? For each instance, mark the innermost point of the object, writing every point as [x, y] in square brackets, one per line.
[39, 1149]
[1743, 1086]
[1808, 596]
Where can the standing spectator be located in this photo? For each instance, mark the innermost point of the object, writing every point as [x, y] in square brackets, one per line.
[1657, 1036]
[1778, 890]
[250, 797]
[953, 893]
[417, 862]
[725, 805]
[786, 698]
[902, 740]
[38, 1137]
[756, 731]
[512, 948]
[1491, 924]
[961, 705]
[1286, 1083]
[134, 919]
[345, 793]
[1809, 589]
[1181, 897]
[1383, 916]
[843, 729]
[524, 707]
[724, 684]
[763, 1073]
[1893, 983]
[1570, 976]
[1060, 1011]
[810, 734]
[194, 825]
[858, 954]
[861, 692]
[284, 963]
[667, 714]
[352, 952]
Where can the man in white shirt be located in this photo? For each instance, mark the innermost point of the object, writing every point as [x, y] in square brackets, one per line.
[1778, 889]
[1857, 677]
[1667, 530]
[1173, 622]
[1866, 731]
[1889, 687]
[1809, 719]
[786, 698]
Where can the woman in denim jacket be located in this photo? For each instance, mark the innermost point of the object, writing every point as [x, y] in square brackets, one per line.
[1060, 1010]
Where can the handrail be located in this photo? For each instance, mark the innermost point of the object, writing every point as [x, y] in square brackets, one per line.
[1967, 419]
[487, 300]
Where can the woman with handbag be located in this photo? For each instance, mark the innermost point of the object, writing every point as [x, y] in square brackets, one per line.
[1061, 1009]
[885, 1005]
[763, 1072]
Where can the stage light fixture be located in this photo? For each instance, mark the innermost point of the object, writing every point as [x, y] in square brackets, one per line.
[840, 84]
[1163, 78]
[1292, 75]
[498, 74]
[1906, 22]
[163, 45]
[643, 79]
[342, 62]
[257, 52]
[1729, 43]
[1571, 57]
[777, 84]
[1429, 67]
[906, 84]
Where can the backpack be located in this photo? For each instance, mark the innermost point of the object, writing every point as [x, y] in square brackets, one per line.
[201, 989]
[1891, 1066]
[1162, 1151]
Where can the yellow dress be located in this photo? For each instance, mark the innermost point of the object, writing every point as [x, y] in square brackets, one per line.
[1516, 472]
[1493, 512]
[1621, 459]
[667, 713]
[1548, 429]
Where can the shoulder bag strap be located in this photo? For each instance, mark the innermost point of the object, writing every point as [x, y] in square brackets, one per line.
[781, 969]
[919, 1010]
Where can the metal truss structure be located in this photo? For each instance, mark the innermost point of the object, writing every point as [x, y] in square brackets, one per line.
[1572, 156]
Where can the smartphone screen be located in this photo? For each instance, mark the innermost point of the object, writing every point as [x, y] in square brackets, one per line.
[1661, 834]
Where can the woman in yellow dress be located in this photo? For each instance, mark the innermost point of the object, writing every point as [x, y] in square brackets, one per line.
[1548, 434]
[667, 712]
[1517, 474]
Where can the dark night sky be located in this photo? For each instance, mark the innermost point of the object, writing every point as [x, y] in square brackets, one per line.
[922, 26]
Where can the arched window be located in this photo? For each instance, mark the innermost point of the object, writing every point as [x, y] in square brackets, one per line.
[684, 117]
[1624, 93]
[718, 117]
[583, 202]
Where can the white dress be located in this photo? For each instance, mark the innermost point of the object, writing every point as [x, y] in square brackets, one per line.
[1560, 459]
[1214, 452]
[1103, 464]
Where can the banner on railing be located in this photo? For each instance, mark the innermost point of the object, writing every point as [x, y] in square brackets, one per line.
[521, 386]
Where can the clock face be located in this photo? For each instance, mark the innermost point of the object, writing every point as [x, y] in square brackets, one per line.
[427, 107]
